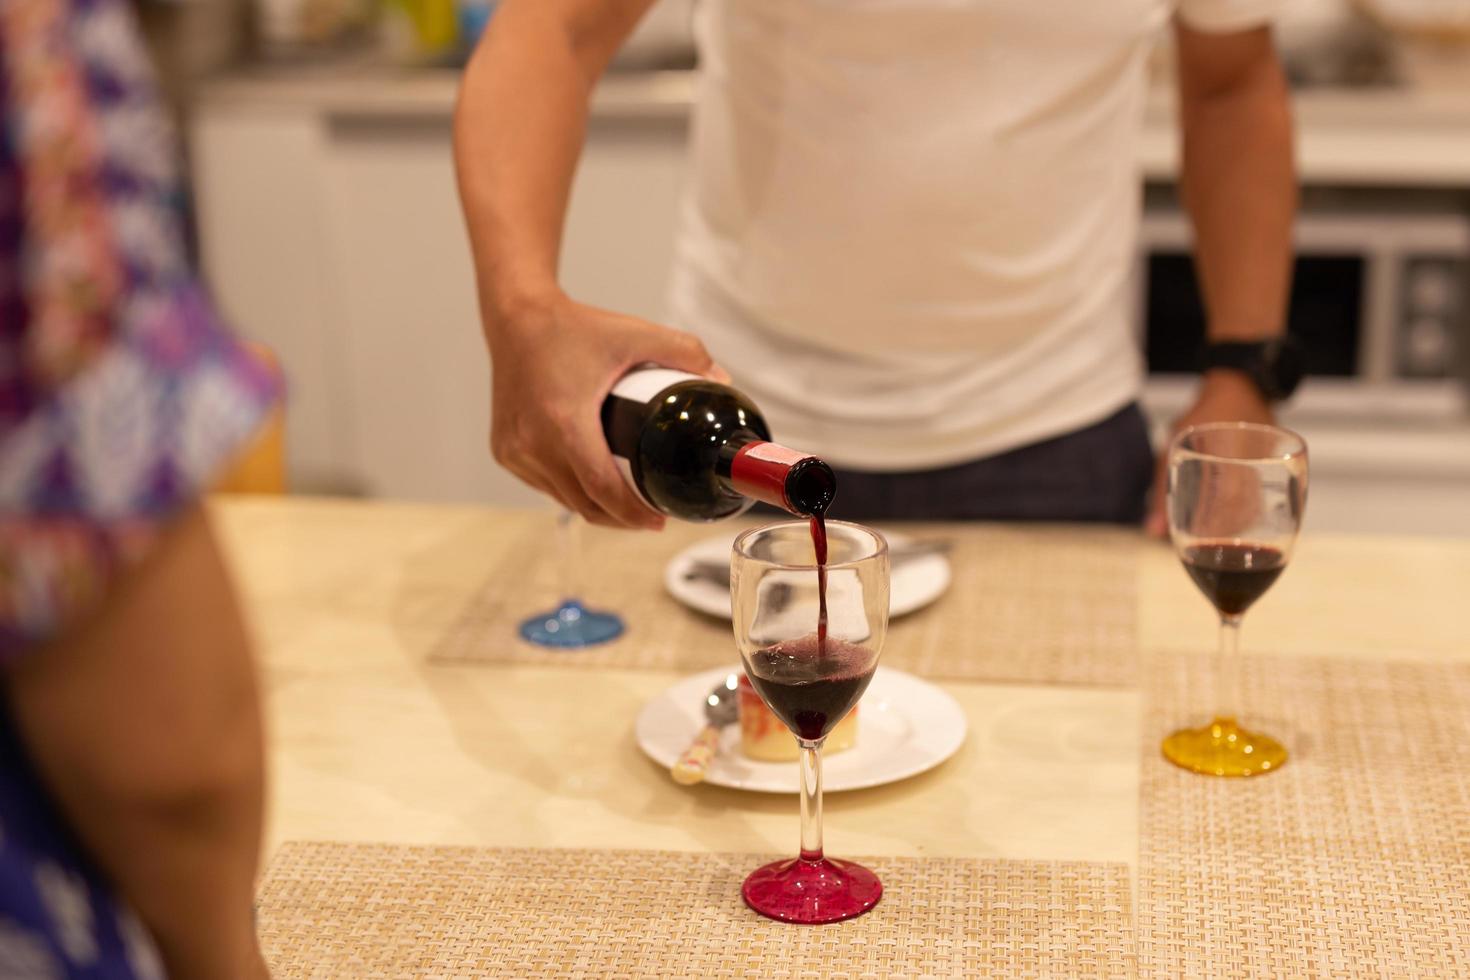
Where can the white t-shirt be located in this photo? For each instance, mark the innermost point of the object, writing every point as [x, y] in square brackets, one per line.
[911, 222]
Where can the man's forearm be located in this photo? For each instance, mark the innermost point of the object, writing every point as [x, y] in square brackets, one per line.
[1239, 184]
[518, 132]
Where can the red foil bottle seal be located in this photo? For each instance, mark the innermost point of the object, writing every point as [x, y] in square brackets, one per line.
[759, 470]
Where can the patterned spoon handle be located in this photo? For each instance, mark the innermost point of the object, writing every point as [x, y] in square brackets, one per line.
[694, 763]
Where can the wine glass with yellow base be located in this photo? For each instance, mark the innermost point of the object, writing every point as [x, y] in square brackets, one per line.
[1237, 492]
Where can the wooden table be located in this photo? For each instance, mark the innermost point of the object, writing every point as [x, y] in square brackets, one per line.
[369, 742]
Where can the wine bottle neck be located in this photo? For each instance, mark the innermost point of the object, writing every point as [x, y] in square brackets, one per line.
[734, 445]
[766, 471]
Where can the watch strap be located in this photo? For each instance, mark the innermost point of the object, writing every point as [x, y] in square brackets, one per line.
[1275, 365]
[1241, 355]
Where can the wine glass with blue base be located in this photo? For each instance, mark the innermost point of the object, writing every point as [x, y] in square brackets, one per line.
[571, 624]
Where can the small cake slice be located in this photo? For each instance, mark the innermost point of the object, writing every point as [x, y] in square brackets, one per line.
[766, 738]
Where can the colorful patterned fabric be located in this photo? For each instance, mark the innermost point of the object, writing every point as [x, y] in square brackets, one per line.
[58, 917]
[120, 396]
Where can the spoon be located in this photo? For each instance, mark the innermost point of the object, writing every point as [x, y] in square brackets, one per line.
[720, 709]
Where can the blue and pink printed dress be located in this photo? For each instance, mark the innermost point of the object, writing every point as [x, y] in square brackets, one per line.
[120, 396]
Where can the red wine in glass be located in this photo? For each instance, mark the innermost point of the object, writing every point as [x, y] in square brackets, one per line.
[811, 684]
[1233, 574]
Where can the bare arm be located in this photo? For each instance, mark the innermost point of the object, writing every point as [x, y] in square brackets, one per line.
[518, 132]
[145, 726]
[1239, 185]
[1239, 178]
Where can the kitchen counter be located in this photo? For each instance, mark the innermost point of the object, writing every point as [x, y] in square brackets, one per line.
[355, 91]
[370, 742]
[1370, 137]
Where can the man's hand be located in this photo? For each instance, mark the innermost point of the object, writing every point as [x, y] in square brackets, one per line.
[1225, 396]
[553, 364]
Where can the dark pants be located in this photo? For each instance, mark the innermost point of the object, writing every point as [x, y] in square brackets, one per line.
[1100, 473]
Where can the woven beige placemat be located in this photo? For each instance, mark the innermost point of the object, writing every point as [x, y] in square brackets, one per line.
[618, 570]
[355, 910]
[1038, 604]
[1352, 860]
[1028, 604]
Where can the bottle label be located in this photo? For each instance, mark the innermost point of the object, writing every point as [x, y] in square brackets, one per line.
[644, 384]
[760, 469]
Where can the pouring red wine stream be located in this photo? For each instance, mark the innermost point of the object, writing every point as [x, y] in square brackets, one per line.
[819, 545]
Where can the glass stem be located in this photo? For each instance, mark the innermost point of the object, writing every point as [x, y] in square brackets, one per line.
[569, 542]
[1227, 669]
[811, 799]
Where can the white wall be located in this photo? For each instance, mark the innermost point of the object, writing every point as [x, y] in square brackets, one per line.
[336, 238]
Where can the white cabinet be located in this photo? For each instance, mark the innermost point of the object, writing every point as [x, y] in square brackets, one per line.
[331, 231]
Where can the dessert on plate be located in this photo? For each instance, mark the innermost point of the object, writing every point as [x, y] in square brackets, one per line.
[766, 738]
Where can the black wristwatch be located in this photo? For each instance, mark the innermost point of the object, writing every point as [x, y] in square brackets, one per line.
[1276, 366]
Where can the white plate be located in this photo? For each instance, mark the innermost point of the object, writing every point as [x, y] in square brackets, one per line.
[913, 583]
[905, 726]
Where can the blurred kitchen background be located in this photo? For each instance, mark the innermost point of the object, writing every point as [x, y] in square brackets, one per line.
[319, 142]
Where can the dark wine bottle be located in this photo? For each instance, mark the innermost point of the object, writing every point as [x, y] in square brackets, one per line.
[700, 451]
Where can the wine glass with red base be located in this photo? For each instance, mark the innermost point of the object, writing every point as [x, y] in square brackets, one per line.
[810, 636]
[1237, 492]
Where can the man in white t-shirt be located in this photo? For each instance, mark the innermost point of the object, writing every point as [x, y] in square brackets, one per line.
[907, 237]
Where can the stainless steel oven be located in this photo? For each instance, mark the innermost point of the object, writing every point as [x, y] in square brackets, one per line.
[1378, 297]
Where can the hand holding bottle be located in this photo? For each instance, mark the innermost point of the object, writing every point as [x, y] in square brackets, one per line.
[552, 364]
